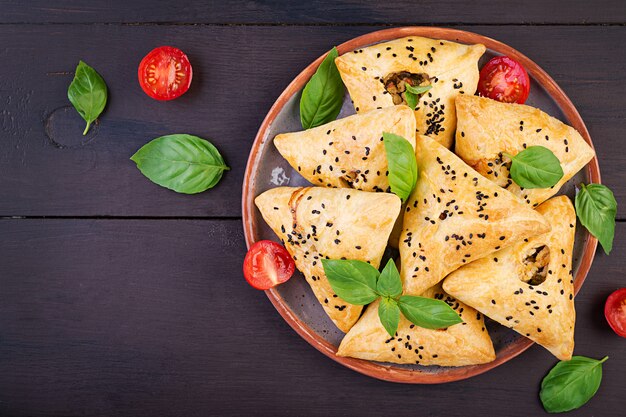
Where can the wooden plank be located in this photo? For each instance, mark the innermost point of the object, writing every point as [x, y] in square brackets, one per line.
[143, 318]
[425, 12]
[238, 73]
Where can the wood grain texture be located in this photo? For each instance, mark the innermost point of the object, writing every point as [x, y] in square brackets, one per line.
[430, 12]
[145, 318]
[48, 169]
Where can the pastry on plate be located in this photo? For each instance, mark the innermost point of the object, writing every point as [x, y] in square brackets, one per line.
[455, 216]
[529, 286]
[336, 223]
[375, 77]
[466, 343]
[486, 128]
[348, 152]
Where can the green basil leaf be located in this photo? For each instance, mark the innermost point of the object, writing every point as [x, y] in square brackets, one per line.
[389, 314]
[184, 163]
[412, 94]
[389, 283]
[596, 208]
[402, 165]
[535, 167]
[87, 93]
[411, 99]
[353, 281]
[322, 96]
[570, 384]
[428, 312]
[419, 89]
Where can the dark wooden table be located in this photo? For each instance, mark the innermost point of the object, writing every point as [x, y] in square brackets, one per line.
[118, 297]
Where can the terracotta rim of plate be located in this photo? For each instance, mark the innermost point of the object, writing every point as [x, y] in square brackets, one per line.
[390, 372]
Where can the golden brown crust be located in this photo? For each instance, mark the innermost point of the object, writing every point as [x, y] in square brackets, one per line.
[318, 222]
[455, 216]
[486, 128]
[497, 287]
[452, 67]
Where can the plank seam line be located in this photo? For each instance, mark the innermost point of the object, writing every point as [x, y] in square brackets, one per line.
[314, 24]
[227, 218]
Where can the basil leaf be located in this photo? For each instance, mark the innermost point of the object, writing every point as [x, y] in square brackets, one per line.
[389, 283]
[353, 281]
[389, 314]
[87, 93]
[402, 165]
[570, 384]
[184, 163]
[596, 208]
[322, 96]
[428, 312]
[411, 94]
[419, 89]
[535, 167]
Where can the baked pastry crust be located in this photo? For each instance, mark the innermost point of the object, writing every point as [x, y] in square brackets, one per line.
[337, 223]
[486, 128]
[348, 152]
[497, 287]
[454, 216]
[466, 343]
[452, 69]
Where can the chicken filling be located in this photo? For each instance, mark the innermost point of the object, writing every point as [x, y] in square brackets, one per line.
[535, 265]
[395, 84]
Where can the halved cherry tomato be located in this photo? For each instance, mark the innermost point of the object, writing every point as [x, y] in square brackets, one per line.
[267, 264]
[505, 80]
[615, 311]
[165, 73]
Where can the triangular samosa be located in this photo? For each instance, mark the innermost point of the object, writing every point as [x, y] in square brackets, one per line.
[335, 223]
[486, 128]
[455, 216]
[376, 77]
[529, 286]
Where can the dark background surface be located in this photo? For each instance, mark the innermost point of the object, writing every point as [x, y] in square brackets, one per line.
[118, 297]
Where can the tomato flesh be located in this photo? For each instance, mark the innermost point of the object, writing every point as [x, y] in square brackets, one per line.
[505, 80]
[267, 264]
[615, 311]
[165, 73]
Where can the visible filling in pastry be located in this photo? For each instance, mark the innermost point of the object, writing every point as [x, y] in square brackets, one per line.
[395, 84]
[535, 265]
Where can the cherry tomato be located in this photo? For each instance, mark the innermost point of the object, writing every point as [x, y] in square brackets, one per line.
[615, 311]
[505, 80]
[267, 264]
[165, 73]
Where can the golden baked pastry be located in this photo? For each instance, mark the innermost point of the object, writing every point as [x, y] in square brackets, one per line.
[348, 152]
[336, 223]
[375, 77]
[466, 343]
[486, 128]
[455, 216]
[529, 286]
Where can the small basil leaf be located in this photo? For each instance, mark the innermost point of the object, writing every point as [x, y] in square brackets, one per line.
[389, 283]
[401, 163]
[535, 167]
[353, 281]
[184, 163]
[411, 94]
[428, 312]
[596, 208]
[570, 384]
[322, 96]
[389, 315]
[87, 93]
[419, 89]
[411, 99]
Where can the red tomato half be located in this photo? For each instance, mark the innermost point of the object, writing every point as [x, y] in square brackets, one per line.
[505, 80]
[267, 264]
[165, 73]
[615, 311]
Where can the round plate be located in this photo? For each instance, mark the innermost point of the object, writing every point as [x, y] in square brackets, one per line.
[266, 169]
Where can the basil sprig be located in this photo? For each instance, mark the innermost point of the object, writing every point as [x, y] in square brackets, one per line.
[535, 167]
[411, 94]
[596, 208]
[570, 384]
[359, 283]
[322, 96]
[87, 93]
[184, 163]
[401, 163]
